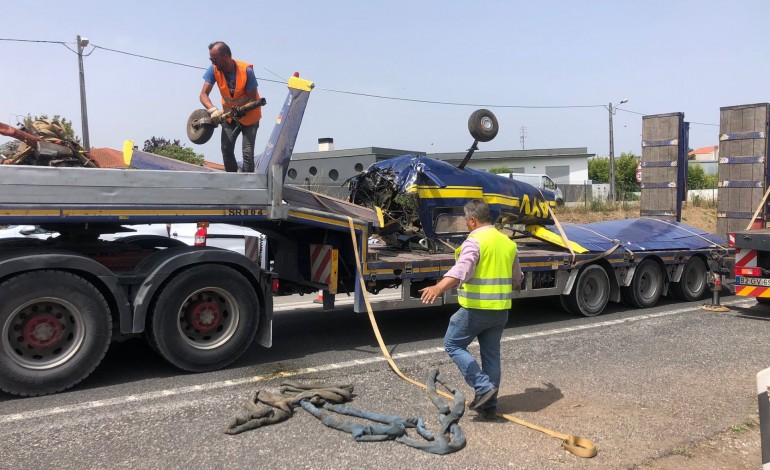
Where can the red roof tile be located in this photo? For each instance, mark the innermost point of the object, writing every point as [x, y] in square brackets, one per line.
[215, 166]
[107, 157]
[704, 150]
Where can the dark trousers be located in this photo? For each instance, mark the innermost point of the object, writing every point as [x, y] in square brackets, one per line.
[230, 132]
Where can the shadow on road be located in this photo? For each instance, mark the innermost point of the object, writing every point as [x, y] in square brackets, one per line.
[532, 399]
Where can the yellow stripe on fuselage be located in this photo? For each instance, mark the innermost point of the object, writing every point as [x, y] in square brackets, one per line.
[465, 192]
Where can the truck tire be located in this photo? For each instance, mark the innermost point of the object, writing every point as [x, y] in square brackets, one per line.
[204, 318]
[590, 293]
[646, 286]
[763, 300]
[56, 328]
[692, 286]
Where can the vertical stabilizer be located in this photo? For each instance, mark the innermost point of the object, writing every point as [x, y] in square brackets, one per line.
[281, 144]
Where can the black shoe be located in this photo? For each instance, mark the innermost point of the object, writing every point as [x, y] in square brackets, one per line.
[488, 414]
[480, 400]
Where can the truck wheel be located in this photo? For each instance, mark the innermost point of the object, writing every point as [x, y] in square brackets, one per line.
[204, 318]
[763, 300]
[646, 286]
[591, 292]
[564, 300]
[56, 328]
[483, 125]
[692, 286]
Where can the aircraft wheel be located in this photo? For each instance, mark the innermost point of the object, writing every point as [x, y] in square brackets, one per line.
[483, 125]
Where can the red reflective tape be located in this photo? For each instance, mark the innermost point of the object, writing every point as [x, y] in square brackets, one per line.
[743, 257]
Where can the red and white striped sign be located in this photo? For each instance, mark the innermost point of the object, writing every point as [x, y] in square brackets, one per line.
[253, 249]
[320, 263]
[745, 258]
[323, 266]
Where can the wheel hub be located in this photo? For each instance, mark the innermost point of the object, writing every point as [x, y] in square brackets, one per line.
[42, 330]
[204, 316]
[486, 123]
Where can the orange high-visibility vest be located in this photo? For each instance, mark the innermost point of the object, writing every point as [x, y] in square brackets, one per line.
[238, 98]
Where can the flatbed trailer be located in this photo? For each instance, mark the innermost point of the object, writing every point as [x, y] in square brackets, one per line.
[66, 298]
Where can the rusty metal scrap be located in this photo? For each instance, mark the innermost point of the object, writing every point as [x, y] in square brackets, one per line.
[47, 144]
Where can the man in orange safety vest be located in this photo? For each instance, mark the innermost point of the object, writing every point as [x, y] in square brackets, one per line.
[238, 86]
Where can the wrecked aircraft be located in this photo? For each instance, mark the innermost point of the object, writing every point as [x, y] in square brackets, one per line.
[422, 198]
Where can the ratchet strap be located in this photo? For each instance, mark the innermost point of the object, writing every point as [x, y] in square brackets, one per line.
[576, 445]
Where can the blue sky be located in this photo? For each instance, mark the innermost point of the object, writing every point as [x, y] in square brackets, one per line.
[663, 56]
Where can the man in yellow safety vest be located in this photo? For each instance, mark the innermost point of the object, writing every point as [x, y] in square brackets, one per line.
[487, 271]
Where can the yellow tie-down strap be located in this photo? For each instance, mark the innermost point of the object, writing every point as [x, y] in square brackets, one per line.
[576, 445]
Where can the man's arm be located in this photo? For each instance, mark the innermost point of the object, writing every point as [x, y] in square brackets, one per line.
[204, 97]
[460, 272]
[518, 275]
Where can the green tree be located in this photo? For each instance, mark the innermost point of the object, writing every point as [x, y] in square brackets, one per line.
[65, 123]
[497, 171]
[625, 172]
[698, 179]
[172, 149]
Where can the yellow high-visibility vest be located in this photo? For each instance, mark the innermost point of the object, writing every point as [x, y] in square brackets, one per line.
[490, 287]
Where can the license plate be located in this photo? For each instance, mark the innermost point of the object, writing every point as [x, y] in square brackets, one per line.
[752, 281]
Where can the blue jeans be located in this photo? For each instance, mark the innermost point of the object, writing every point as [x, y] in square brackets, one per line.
[230, 132]
[487, 325]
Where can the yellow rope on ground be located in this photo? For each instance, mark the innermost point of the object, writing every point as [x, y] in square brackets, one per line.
[577, 445]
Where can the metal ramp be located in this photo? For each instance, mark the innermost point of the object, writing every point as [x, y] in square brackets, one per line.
[742, 177]
[664, 165]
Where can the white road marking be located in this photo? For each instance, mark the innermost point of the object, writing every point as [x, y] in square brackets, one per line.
[144, 397]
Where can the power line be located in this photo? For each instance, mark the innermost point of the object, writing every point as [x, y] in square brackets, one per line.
[644, 114]
[354, 93]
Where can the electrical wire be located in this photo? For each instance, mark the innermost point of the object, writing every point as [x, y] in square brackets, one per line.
[354, 93]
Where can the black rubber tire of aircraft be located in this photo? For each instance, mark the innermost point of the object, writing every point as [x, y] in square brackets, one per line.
[199, 133]
[56, 328]
[483, 125]
[149, 241]
[646, 286]
[692, 285]
[204, 318]
[590, 293]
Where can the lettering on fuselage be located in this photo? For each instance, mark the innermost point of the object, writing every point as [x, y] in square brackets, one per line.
[534, 208]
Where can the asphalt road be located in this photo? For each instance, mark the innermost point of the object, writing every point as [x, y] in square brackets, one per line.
[640, 384]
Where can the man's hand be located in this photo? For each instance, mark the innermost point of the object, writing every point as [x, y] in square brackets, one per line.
[430, 294]
[216, 114]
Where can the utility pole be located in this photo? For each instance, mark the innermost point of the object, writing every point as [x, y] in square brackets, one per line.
[611, 196]
[523, 134]
[612, 159]
[82, 43]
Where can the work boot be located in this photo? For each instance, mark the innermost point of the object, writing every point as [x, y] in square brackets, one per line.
[488, 414]
[480, 400]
